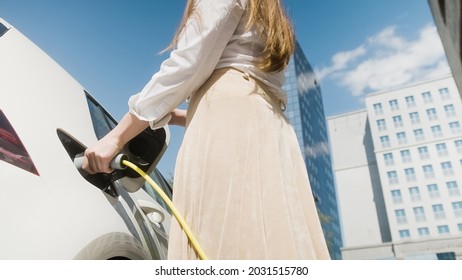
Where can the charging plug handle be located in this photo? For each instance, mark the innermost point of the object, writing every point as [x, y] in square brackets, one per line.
[116, 162]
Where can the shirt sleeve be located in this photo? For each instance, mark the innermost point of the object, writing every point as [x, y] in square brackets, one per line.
[198, 51]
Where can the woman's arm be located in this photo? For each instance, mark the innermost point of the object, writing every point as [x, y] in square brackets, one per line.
[98, 157]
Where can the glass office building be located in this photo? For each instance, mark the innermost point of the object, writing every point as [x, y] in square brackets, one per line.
[306, 113]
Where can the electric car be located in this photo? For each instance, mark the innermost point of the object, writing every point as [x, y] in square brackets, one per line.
[49, 208]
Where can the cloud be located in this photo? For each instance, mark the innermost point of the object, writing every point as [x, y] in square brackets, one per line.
[340, 61]
[388, 60]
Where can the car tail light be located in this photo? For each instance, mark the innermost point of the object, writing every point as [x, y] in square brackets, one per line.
[11, 148]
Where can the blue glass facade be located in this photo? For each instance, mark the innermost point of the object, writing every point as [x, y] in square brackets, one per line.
[306, 113]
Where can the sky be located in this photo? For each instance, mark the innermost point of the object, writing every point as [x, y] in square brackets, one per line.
[357, 47]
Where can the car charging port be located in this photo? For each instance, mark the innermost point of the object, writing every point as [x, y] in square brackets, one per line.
[102, 181]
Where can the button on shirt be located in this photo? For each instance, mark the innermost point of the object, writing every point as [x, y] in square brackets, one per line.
[215, 36]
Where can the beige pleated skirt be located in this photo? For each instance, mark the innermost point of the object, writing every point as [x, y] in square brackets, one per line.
[240, 181]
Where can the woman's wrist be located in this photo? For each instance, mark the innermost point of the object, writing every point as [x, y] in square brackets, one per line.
[178, 117]
[118, 146]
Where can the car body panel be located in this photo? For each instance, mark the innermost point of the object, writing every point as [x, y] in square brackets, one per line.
[58, 214]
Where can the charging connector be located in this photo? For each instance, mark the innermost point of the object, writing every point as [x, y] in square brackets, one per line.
[116, 162]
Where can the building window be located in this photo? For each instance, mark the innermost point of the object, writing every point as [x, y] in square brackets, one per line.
[428, 171]
[443, 230]
[433, 191]
[444, 93]
[459, 226]
[423, 232]
[437, 132]
[447, 168]
[431, 114]
[438, 211]
[392, 177]
[381, 125]
[442, 150]
[419, 134]
[394, 105]
[450, 111]
[401, 136]
[378, 108]
[453, 188]
[406, 156]
[414, 116]
[458, 144]
[457, 207]
[400, 216]
[427, 97]
[410, 174]
[396, 196]
[398, 121]
[385, 140]
[414, 192]
[423, 152]
[410, 102]
[404, 234]
[388, 157]
[455, 127]
[419, 214]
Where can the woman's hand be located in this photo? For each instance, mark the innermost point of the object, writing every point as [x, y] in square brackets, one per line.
[178, 117]
[98, 157]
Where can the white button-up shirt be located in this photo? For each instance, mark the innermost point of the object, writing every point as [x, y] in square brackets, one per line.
[214, 37]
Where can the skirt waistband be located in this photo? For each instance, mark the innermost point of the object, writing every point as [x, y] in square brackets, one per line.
[265, 92]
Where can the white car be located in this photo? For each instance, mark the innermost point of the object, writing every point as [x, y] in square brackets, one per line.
[48, 208]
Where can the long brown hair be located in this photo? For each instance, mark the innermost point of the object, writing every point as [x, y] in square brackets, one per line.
[270, 19]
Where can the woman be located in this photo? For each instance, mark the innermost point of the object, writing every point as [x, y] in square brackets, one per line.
[240, 180]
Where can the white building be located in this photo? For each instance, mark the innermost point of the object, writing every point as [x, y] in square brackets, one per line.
[398, 166]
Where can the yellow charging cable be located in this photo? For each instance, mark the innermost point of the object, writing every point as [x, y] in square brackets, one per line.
[172, 207]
